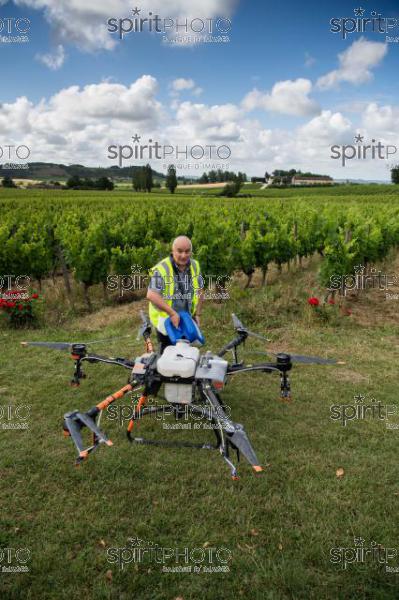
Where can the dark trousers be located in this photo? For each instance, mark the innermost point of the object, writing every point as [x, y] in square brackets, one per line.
[164, 341]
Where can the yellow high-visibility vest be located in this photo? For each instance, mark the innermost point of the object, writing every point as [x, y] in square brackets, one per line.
[165, 269]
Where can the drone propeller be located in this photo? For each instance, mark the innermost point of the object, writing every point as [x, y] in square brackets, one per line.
[240, 327]
[53, 345]
[301, 358]
[236, 322]
[68, 345]
[145, 328]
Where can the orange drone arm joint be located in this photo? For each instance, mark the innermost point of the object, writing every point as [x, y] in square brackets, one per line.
[137, 408]
[119, 394]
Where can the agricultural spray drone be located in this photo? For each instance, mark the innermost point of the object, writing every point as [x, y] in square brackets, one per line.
[191, 382]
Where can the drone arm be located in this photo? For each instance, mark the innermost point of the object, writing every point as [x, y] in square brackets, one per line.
[119, 394]
[264, 367]
[233, 344]
[235, 433]
[122, 362]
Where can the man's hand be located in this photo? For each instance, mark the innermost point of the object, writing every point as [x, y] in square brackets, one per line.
[197, 320]
[175, 318]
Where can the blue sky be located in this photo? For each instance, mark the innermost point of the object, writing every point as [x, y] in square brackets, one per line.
[270, 42]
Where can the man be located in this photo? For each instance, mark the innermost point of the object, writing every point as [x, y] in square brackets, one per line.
[176, 285]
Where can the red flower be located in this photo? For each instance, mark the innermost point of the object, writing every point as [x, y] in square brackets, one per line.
[11, 304]
[331, 301]
[35, 296]
[313, 301]
[20, 306]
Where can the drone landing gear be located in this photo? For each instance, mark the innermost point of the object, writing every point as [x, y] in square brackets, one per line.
[284, 361]
[77, 354]
[229, 435]
[75, 421]
[225, 452]
[165, 409]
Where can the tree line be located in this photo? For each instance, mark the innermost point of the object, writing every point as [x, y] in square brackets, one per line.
[220, 176]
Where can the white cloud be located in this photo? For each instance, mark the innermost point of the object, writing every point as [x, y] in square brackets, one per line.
[181, 84]
[309, 60]
[382, 120]
[355, 64]
[287, 97]
[216, 123]
[53, 61]
[326, 128]
[77, 124]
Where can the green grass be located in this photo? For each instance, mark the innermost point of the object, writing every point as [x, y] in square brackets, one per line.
[279, 527]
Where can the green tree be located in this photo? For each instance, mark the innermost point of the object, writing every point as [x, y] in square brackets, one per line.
[8, 182]
[394, 174]
[148, 181]
[171, 179]
[231, 189]
[104, 183]
[74, 182]
[204, 178]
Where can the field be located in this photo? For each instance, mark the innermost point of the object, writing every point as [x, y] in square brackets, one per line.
[325, 485]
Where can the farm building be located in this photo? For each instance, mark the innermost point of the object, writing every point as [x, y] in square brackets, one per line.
[312, 180]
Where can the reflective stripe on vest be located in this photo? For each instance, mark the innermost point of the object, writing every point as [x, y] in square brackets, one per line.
[165, 269]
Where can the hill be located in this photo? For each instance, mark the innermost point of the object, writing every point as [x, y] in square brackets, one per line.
[43, 171]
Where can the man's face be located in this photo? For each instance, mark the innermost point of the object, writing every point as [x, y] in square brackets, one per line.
[181, 253]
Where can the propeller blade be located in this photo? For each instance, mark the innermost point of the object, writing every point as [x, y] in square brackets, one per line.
[68, 345]
[301, 358]
[53, 345]
[238, 325]
[106, 340]
[257, 335]
[145, 327]
[236, 322]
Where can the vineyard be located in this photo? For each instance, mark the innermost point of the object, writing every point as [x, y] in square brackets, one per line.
[89, 235]
[324, 483]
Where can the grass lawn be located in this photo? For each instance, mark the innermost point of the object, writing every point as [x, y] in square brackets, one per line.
[278, 528]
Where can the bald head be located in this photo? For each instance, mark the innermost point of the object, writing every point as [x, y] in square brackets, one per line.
[182, 241]
[181, 250]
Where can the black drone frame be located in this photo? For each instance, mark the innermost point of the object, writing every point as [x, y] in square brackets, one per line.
[145, 377]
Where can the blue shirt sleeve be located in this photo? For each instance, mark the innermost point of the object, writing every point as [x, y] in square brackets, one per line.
[157, 283]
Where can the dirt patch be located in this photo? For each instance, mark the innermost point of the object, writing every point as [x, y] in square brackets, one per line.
[201, 185]
[375, 307]
[110, 315]
[352, 376]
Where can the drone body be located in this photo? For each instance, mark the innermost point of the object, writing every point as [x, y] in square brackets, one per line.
[191, 381]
